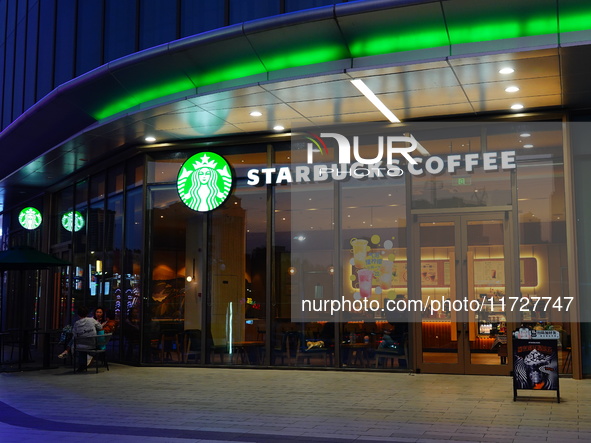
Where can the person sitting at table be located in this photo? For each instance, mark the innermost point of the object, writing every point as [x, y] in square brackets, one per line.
[85, 327]
[101, 316]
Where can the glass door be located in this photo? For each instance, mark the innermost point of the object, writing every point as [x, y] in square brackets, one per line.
[463, 277]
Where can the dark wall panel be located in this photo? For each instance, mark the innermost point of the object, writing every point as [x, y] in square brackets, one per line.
[241, 11]
[3, 10]
[158, 22]
[120, 28]
[89, 50]
[46, 48]
[197, 16]
[65, 40]
[31, 55]
[18, 89]
[9, 63]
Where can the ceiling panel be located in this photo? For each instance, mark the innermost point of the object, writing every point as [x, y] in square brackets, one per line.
[317, 91]
[242, 101]
[423, 97]
[408, 81]
[524, 69]
[270, 112]
[529, 103]
[315, 108]
[527, 88]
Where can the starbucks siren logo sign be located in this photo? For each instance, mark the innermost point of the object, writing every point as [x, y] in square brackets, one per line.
[73, 221]
[204, 181]
[30, 218]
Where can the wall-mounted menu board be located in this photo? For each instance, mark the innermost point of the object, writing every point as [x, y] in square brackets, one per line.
[491, 272]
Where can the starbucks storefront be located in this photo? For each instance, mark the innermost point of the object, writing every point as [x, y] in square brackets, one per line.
[312, 262]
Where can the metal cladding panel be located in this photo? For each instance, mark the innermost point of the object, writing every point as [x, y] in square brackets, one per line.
[95, 92]
[294, 44]
[576, 70]
[500, 25]
[574, 17]
[157, 74]
[39, 128]
[225, 56]
[394, 30]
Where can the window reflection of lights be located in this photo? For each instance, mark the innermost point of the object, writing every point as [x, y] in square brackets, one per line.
[525, 135]
[364, 89]
[528, 146]
[291, 270]
[283, 219]
[299, 237]
[331, 270]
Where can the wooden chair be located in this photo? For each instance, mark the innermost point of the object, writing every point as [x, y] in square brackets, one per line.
[397, 352]
[297, 347]
[192, 344]
[169, 344]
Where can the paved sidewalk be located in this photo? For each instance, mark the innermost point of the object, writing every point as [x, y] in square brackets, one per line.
[129, 404]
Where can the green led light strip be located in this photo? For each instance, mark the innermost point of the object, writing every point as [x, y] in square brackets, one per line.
[414, 36]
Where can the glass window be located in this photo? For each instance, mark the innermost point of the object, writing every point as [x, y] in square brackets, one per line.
[132, 270]
[112, 266]
[77, 223]
[135, 172]
[115, 178]
[97, 187]
[542, 231]
[460, 188]
[239, 273]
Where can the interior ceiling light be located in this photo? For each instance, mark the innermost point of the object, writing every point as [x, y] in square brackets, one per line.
[358, 83]
[256, 114]
[150, 139]
[506, 71]
[512, 89]
[528, 146]
[278, 128]
[525, 135]
[517, 106]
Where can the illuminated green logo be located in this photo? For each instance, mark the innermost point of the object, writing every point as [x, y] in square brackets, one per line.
[30, 218]
[72, 221]
[204, 181]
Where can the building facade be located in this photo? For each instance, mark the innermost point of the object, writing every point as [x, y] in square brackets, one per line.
[225, 184]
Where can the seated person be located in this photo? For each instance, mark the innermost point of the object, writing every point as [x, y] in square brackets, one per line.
[85, 327]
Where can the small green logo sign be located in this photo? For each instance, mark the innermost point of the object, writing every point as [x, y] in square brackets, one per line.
[73, 221]
[204, 181]
[30, 218]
